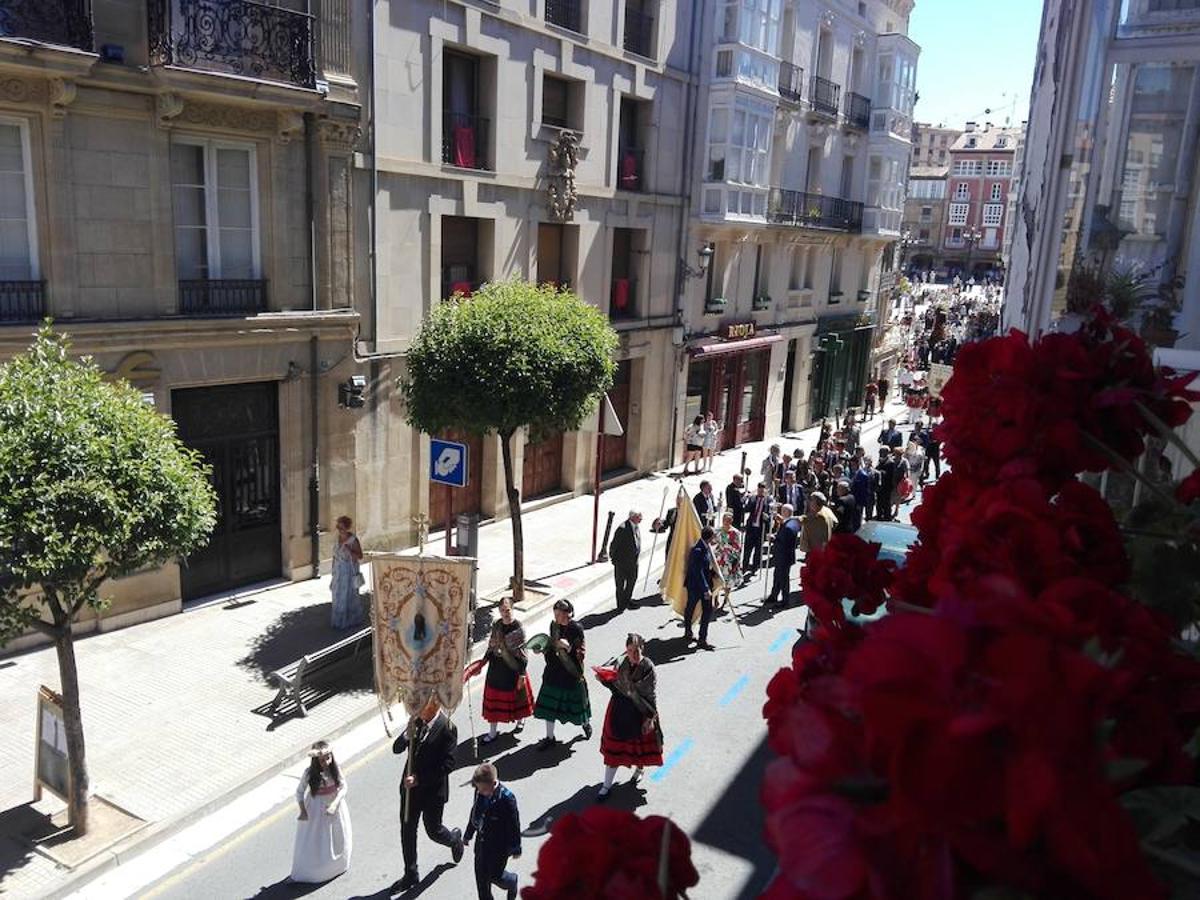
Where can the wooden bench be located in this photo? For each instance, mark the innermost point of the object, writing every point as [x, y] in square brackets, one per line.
[293, 677]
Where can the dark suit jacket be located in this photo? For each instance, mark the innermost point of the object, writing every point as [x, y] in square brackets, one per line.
[783, 551]
[751, 504]
[704, 506]
[497, 823]
[891, 438]
[848, 515]
[793, 495]
[735, 502]
[625, 545]
[434, 760]
[699, 574]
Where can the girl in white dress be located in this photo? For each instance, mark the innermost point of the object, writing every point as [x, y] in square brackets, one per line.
[323, 840]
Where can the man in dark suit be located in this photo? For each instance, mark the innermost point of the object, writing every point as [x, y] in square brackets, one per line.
[845, 507]
[783, 556]
[698, 581]
[431, 740]
[758, 519]
[886, 472]
[497, 822]
[735, 501]
[890, 436]
[624, 550]
[706, 504]
[790, 492]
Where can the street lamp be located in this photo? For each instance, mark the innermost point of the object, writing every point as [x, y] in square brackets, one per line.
[907, 241]
[971, 236]
[705, 254]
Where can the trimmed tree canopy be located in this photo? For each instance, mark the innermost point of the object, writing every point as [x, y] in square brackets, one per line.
[513, 355]
[93, 484]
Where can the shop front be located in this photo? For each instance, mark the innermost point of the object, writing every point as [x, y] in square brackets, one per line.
[841, 354]
[728, 377]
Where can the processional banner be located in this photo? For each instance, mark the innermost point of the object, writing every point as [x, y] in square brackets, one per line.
[422, 607]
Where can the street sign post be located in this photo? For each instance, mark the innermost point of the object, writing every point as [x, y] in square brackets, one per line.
[448, 466]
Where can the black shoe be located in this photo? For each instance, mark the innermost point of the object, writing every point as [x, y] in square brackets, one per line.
[587, 731]
[546, 743]
[409, 881]
[456, 848]
[705, 645]
[688, 637]
[632, 604]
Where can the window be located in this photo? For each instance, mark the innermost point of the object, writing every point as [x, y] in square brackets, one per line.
[460, 248]
[757, 25]
[551, 262]
[738, 143]
[968, 167]
[941, 156]
[999, 168]
[623, 303]
[993, 213]
[18, 222]
[565, 14]
[796, 273]
[630, 158]
[835, 275]
[558, 110]
[808, 269]
[962, 191]
[997, 192]
[958, 213]
[1001, 142]
[926, 213]
[215, 196]
[464, 131]
[972, 143]
[923, 235]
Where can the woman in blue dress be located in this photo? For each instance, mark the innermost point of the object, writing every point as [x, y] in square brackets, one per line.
[347, 555]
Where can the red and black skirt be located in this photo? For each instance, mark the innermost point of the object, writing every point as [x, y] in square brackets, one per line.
[623, 742]
[507, 696]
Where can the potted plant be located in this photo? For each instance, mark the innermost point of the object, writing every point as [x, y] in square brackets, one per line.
[714, 306]
[761, 302]
[1159, 311]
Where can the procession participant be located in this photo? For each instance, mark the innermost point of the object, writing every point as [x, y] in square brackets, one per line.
[882, 384]
[496, 821]
[705, 503]
[323, 842]
[507, 692]
[902, 486]
[625, 550]
[425, 787]
[783, 554]
[845, 507]
[789, 492]
[563, 696]
[699, 581]
[817, 524]
[851, 432]
[632, 735]
[890, 437]
[758, 520]
[709, 431]
[885, 472]
[862, 488]
[693, 444]
[872, 391]
[347, 606]
[770, 466]
[728, 553]
[735, 500]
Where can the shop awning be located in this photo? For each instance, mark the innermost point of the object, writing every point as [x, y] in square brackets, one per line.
[721, 348]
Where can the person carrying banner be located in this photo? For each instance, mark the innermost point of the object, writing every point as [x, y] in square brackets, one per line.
[507, 692]
[632, 735]
[563, 696]
[702, 578]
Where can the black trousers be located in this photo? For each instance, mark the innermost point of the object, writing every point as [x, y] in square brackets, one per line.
[626, 578]
[421, 808]
[752, 552]
[883, 505]
[781, 586]
[936, 459]
[490, 871]
[706, 610]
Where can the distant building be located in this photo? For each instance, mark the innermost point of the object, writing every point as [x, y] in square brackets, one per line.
[925, 219]
[932, 143]
[981, 172]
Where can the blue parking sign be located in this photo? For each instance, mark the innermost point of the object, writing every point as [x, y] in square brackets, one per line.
[448, 463]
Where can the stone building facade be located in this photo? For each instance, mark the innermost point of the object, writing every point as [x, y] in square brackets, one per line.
[981, 175]
[932, 143]
[925, 220]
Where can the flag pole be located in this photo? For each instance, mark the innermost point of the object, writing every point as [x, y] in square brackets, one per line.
[654, 545]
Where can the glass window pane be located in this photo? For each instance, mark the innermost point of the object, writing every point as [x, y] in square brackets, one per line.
[189, 206]
[237, 254]
[191, 253]
[187, 164]
[233, 169]
[12, 195]
[11, 149]
[233, 208]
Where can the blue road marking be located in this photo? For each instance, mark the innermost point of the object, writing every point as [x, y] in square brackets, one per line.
[737, 688]
[783, 638]
[672, 760]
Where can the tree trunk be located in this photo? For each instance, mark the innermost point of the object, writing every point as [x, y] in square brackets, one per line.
[514, 510]
[77, 806]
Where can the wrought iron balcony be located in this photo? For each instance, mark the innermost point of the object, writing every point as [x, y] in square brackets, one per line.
[22, 301]
[803, 210]
[465, 141]
[65, 22]
[222, 297]
[565, 14]
[237, 37]
[858, 111]
[791, 79]
[639, 32]
[629, 169]
[824, 95]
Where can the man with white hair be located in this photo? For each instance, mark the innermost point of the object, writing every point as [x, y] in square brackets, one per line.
[783, 556]
[624, 551]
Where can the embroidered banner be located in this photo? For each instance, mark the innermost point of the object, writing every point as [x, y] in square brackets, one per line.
[422, 607]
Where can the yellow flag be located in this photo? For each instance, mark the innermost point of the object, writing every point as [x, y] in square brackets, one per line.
[687, 532]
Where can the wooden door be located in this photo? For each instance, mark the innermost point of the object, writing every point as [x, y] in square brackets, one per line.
[467, 499]
[542, 470]
[752, 396]
[615, 447]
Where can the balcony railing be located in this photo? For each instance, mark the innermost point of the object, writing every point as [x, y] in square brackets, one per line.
[237, 37]
[623, 303]
[629, 169]
[824, 95]
[66, 22]
[639, 32]
[22, 301]
[565, 14]
[804, 210]
[222, 297]
[858, 111]
[791, 79]
[465, 141]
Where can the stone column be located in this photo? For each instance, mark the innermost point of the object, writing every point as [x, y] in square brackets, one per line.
[332, 194]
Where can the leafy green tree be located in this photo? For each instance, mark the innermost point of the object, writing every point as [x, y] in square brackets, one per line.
[514, 355]
[94, 484]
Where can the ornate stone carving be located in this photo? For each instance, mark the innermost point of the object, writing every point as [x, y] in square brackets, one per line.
[827, 19]
[168, 107]
[232, 118]
[291, 125]
[563, 158]
[860, 39]
[62, 95]
[339, 134]
[20, 90]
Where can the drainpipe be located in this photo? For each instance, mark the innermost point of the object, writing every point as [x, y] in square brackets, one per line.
[314, 480]
[690, 114]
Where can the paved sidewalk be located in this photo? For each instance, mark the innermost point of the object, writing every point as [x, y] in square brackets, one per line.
[174, 709]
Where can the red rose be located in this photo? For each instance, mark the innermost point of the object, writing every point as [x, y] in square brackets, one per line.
[847, 568]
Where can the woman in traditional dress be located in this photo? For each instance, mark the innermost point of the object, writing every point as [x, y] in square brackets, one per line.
[563, 696]
[347, 555]
[632, 735]
[323, 840]
[728, 551]
[507, 692]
